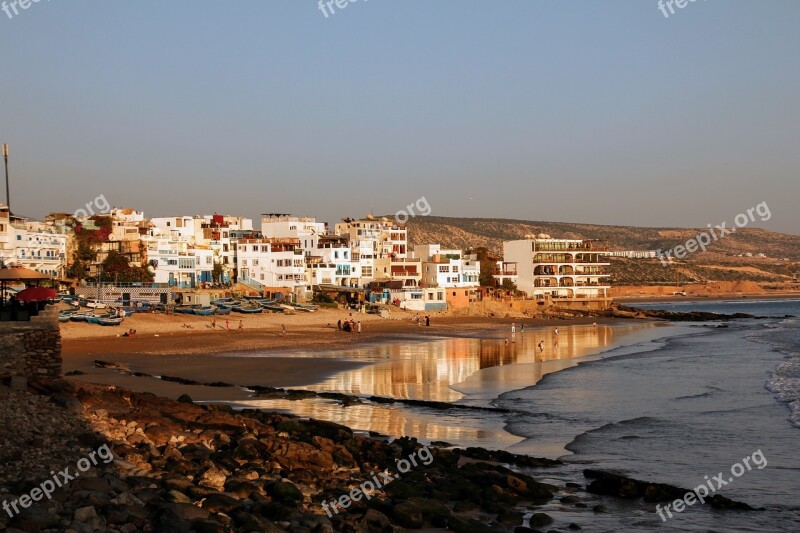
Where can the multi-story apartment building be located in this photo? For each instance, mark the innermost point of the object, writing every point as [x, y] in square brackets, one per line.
[35, 245]
[273, 265]
[447, 268]
[175, 263]
[7, 246]
[559, 268]
[210, 238]
[305, 229]
[372, 239]
[331, 264]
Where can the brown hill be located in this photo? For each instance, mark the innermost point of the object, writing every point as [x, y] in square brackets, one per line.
[720, 264]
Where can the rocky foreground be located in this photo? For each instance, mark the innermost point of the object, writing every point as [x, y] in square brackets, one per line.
[181, 467]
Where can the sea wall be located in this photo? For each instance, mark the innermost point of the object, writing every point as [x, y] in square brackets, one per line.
[31, 351]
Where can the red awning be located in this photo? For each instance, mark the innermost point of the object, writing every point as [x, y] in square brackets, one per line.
[36, 294]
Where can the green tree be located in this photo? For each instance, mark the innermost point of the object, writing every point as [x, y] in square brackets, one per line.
[217, 272]
[116, 267]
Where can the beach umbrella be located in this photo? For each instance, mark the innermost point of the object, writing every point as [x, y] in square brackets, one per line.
[36, 294]
[19, 274]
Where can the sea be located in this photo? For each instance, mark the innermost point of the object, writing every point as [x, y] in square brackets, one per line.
[688, 404]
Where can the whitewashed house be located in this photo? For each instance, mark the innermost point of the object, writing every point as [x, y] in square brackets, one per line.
[272, 265]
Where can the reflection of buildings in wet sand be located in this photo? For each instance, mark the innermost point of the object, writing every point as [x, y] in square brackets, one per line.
[426, 369]
[464, 428]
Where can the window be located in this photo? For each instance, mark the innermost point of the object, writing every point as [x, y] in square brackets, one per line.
[244, 262]
[444, 268]
[255, 262]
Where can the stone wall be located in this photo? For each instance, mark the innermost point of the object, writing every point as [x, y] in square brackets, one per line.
[31, 350]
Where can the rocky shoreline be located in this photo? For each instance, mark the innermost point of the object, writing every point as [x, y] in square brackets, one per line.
[181, 467]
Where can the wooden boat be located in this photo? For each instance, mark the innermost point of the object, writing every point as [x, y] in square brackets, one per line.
[275, 308]
[64, 316]
[204, 311]
[222, 310]
[248, 309]
[79, 317]
[110, 321]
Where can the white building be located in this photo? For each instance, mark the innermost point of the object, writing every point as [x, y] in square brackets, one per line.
[447, 268]
[34, 245]
[372, 239]
[275, 265]
[305, 229]
[173, 262]
[559, 268]
[331, 264]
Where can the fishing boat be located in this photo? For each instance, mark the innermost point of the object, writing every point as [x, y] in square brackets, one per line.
[275, 308]
[248, 309]
[204, 311]
[222, 310]
[306, 308]
[186, 310]
[64, 316]
[79, 317]
[109, 321]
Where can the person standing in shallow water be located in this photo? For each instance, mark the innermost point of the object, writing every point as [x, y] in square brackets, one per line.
[427, 320]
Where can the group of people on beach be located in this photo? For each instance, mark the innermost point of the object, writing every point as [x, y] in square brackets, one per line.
[349, 326]
[418, 321]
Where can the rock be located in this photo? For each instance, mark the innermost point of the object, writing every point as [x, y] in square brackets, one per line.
[540, 520]
[285, 492]
[213, 477]
[185, 398]
[468, 525]
[220, 503]
[510, 518]
[84, 514]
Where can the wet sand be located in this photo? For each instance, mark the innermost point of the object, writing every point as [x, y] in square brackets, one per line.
[163, 346]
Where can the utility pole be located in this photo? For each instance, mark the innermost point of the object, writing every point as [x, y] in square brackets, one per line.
[8, 194]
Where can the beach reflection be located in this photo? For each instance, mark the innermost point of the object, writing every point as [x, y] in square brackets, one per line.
[464, 370]
[427, 370]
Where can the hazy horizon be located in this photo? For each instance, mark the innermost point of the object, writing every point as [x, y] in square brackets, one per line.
[584, 112]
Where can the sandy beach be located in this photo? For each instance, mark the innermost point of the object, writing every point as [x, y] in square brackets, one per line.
[164, 347]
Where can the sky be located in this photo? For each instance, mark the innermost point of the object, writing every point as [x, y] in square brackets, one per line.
[592, 111]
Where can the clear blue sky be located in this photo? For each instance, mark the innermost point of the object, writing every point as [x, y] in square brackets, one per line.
[586, 111]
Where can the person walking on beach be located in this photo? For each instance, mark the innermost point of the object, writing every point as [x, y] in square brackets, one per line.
[339, 325]
[359, 326]
[241, 327]
[227, 324]
[283, 329]
[541, 346]
[521, 329]
[513, 332]
[427, 321]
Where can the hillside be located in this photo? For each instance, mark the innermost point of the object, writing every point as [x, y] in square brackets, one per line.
[720, 263]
